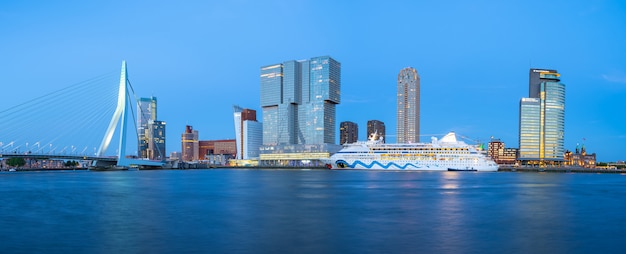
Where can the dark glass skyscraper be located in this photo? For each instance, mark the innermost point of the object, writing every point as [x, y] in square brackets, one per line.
[348, 132]
[156, 142]
[542, 119]
[375, 126]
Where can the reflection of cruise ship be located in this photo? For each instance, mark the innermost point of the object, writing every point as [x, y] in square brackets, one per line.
[444, 154]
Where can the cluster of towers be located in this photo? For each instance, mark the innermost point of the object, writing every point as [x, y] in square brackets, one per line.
[408, 113]
[150, 131]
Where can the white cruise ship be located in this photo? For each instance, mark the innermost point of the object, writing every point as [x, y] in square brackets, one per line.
[447, 154]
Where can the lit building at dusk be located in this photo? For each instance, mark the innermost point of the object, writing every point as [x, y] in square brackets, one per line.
[408, 128]
[190, 145]
[156, 141]
[298, 100]
[348, 132]
[217, 152]
[542, 120]
[501, 155]
[146, 112]
[580, 158]
[150, 131]
[248, 133]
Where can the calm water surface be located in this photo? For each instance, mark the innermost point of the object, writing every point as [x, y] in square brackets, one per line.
[282, 211]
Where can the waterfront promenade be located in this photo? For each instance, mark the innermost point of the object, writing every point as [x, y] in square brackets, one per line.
[560, 170]
[501, 169]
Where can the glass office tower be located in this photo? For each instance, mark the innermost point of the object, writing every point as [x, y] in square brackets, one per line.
[146, 112]
[542, 119]
[348, 132]
[298, 100]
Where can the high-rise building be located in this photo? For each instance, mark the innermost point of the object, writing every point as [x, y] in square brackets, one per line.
[190, 145]
[146, 112]
[408, 128]
[542, 119]
[348, 132]
[248, 133]
[156, 140]
[298, 100]
[375, 126]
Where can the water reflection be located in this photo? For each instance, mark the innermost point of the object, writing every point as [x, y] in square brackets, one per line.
[313, 211]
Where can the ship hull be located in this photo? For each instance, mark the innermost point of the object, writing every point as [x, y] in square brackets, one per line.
[408, 165]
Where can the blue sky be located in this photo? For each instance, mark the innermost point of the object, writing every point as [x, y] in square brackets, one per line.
[201, 57]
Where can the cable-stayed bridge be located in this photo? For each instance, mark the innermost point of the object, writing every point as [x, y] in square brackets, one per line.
[78, 122]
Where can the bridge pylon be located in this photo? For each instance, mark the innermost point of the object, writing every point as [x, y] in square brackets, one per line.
[119, 120]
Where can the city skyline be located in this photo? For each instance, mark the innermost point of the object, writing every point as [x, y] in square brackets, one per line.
[473, 63]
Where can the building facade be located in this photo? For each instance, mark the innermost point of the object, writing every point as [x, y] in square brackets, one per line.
[156, 141]
[542, 120]
[298, 100]
[226, 147]
[146, 112]
[580, 158]
[375, 126]
[501, 155]
[248, 133]
[408, 128]
[348, 132]
[190, 145]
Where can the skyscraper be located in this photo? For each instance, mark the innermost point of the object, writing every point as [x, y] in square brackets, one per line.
[542, 119]
[375, 126]
[408, 128]
[248, 133]
[348, 132]
[298, 100]
[146, 112]
[156, 140]
[190, 145]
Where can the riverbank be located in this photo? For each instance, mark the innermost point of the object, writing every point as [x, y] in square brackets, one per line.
[561, 170]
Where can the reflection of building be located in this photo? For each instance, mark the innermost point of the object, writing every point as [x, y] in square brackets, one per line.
[542, 119]
[348, 132]
[408, 128]
[248, 133]
[580, 158]
[500, 154]
[298, 100]
[375, 126]
[190, 148]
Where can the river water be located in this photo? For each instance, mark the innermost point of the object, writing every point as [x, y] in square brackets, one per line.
[311, 211]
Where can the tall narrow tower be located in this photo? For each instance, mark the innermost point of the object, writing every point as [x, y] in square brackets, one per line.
[408, 128]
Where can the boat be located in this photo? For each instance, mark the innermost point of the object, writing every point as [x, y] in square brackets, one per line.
[445, 154]
[462, 169]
